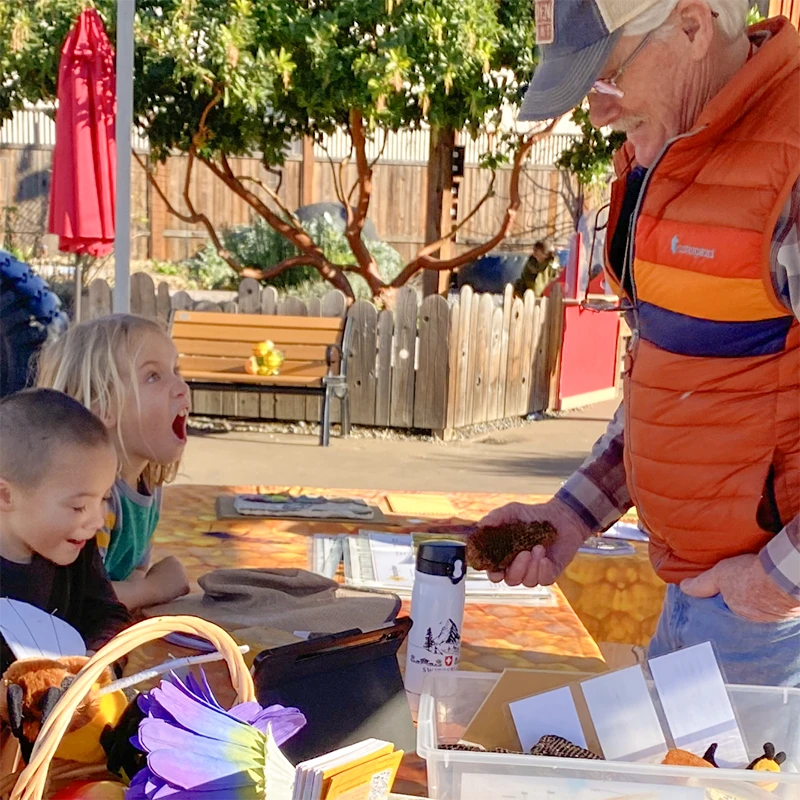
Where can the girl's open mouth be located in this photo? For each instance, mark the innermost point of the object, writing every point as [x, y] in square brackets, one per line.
[179, 425]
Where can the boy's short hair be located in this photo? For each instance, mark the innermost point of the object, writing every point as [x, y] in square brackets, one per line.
[33, 422]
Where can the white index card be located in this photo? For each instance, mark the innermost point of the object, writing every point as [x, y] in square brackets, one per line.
[624, 716]
[696, 704]
[547, 714]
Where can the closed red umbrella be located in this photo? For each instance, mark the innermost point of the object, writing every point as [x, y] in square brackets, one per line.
[82, 190]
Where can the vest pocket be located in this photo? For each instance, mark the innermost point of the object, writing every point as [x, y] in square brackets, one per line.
[768, 515]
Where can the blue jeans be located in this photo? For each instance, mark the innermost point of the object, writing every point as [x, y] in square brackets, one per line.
[750, 653]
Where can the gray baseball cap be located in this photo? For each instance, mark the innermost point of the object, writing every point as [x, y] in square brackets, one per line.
[575, 38]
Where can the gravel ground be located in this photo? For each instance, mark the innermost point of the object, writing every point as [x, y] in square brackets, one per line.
[198, 424]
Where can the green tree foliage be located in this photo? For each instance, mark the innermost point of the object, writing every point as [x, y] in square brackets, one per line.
[221, 79]
[589, 157]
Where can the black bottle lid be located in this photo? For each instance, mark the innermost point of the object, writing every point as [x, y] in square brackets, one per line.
[443, 558]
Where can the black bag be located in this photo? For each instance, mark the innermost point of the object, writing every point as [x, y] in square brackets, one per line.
[348, 685]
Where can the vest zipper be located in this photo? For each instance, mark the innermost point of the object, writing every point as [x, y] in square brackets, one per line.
[634, 345]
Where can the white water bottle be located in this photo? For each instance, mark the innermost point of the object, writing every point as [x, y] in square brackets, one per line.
[437, 610]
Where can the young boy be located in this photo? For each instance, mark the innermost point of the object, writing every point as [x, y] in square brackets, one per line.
[57, 466]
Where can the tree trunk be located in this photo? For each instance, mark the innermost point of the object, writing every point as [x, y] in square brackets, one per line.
[439, 204]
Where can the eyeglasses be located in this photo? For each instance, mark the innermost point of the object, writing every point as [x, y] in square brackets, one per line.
[609, 86]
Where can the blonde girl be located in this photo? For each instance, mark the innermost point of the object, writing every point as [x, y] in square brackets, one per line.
[125, 369]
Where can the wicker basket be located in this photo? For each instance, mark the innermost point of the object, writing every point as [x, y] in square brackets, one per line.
[33, 782]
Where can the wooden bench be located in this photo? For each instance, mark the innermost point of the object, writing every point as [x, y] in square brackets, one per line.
[214, 347]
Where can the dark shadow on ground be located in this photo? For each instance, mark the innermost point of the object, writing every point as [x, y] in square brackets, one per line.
[534, 465]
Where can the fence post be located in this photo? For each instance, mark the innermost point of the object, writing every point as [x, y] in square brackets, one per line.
[249, 295]
[383, 389]
[555, 337]
[404, 349]
[143, 295]
[269, 300]
[433, 373]
[163, 303]
[452, 371]
[99, 300]
[361, 381]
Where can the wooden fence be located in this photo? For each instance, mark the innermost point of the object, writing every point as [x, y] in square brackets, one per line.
[433, 366]
[551, 200]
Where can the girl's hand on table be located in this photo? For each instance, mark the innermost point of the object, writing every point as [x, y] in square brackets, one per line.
[167, 579]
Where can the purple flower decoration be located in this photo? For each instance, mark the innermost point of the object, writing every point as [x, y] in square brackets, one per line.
[196, 750]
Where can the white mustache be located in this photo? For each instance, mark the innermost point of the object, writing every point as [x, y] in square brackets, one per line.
[626, 124]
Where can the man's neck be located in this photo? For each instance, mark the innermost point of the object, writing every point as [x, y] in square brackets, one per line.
[724, 60]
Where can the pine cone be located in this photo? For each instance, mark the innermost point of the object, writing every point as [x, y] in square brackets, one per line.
[558, 747]
[493, 548]
[475, 748]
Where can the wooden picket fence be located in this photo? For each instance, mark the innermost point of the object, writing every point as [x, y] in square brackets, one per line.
[434, 366]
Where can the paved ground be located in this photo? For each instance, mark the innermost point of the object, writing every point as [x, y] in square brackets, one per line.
[534, 458]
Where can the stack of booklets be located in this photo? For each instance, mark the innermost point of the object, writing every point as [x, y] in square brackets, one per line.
[363, 771]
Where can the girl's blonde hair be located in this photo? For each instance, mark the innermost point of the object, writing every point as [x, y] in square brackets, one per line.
[93, 362]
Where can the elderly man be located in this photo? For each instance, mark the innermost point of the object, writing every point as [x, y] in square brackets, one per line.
[703, 249]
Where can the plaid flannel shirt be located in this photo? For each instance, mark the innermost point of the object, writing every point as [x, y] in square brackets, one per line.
[598, 491]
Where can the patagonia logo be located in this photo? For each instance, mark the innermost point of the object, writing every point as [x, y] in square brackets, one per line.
[688, 250]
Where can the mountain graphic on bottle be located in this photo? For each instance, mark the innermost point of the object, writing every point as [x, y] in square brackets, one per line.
[446, 643]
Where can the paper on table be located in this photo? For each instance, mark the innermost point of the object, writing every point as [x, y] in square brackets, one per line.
[624, 716]
[624, 530]
[696, 704]
[552, 713]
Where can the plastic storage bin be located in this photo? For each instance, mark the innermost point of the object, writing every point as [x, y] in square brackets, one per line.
[450, 700]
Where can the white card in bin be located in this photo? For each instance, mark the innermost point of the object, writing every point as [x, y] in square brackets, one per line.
[624, 716]
[696, 704]
[550, 713]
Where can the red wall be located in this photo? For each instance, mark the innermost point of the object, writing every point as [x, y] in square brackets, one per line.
[589, 352]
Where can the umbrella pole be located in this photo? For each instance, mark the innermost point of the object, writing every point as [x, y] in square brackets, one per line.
[77, 311]
[124, 124]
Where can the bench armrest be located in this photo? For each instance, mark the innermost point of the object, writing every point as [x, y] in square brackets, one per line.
[330, 352]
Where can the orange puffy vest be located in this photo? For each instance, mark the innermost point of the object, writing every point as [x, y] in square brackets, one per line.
[712, 388]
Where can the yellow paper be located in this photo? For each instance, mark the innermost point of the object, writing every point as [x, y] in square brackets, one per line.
[421, 505]
[372, 779]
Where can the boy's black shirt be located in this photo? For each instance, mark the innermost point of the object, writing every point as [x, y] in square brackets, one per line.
[80, 594]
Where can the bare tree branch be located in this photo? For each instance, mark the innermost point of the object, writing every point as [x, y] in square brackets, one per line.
[193, 217]
[356, 220]
[382, 150]
[160, 192]
[515, 201]
[274, 171]
[273, 195]
[310, 250]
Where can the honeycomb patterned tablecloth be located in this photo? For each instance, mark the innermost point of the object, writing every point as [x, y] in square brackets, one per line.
[616, 599]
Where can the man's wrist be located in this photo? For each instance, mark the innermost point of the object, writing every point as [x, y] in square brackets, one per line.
[780, 561]
[565, 517]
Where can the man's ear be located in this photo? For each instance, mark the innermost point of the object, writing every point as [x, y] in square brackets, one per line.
[6, 496]
[697, 23]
